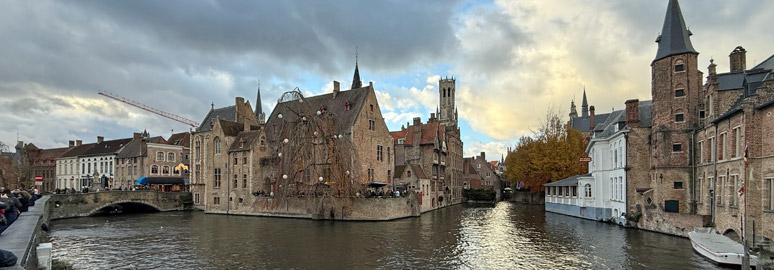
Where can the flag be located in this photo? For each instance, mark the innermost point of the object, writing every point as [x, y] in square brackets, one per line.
[741, 190]
[746, 153]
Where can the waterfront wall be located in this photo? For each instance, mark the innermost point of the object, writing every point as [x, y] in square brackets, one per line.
[23, 236]
[592, 213]
[678, 224]
[528, 197]
[363, 209]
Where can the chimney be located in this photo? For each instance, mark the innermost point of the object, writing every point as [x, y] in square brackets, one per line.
[592, 124]
[100, 139]
[432, 117]
[632, 113]
[483, 156]
[371, 84]
[712, 70]
[136, 135]
[336, 88]
[738, 59]
[78, 142]
[72, 144]
[417, 121]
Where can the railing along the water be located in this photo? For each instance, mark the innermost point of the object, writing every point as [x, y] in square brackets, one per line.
[24, 234]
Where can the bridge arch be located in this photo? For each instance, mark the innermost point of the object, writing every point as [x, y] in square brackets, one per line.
[731, 233]
[104, 206]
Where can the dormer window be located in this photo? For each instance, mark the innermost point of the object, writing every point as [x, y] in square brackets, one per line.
[347, 106]
[408, 173]
[241, 144]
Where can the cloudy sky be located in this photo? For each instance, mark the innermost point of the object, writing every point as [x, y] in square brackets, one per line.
[512, 59]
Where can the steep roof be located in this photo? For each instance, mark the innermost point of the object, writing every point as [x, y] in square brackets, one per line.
[258, 109]
[675, 37]
[107, 147]
[766, 64]
[182, 138]
[225, 113]
[247, 137]
[343, 119]
[48, 154]
[569, 181]
[78, 150]
[231, 128]
[582, 123]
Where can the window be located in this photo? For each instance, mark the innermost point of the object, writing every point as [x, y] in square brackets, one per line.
[679, 66]
[479, 166]
[737, 142]
[154, 169]
[711, 110]
[768, 194]
[241, 200]
[701, 152]
[171, 157]
[701, 114]
[408, 173]
[700, 190]
[722, 146]
[371, 125]
[244, 181]
[721, 187]
[379, 153]
[196, 198]
[677, 147]
[388, 155]
[401, 141]
[175, 171]
[159, 156]
[236, 184]
[712, 149]
[679, 117]
[672, 206]
[678, 185]
[236, 159]
[217, 177]
[215, 200]
[733, 185]
[680, 93]
[244, 159]
[587, 189]
[372, 107]
[217, 145]
[370, 174]
[165, 170]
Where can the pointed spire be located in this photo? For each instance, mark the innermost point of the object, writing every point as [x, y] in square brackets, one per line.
[675, 36]
[260, 117]
[356, 83]
[584, 105]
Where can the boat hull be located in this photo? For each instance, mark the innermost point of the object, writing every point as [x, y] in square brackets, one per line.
[725, 258]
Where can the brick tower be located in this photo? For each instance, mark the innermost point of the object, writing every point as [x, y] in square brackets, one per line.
[448, 111]
[676, 92]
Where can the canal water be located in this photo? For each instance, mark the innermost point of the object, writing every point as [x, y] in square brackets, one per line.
[503, 236]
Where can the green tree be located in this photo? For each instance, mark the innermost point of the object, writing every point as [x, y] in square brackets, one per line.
[552, 153]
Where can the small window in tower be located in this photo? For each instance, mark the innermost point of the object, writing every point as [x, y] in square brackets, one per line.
[678, 185]
[679, 117]
[701, 114]
[677, 147]
[372, 107]
[679, 92]
[679, 66]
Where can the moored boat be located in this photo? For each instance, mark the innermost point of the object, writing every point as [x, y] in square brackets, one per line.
[718, 248]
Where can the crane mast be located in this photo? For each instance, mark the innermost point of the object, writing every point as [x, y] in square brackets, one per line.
[151, 109]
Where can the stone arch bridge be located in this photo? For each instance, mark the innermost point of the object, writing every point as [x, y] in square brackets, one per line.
[87, 204]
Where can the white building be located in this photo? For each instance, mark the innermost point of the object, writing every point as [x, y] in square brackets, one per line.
[97, 165]
[68, 169]
[601, 194]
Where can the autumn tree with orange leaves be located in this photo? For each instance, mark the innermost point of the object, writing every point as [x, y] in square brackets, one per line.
[550, 154]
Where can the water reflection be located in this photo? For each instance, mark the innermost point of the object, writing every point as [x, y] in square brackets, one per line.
[506, 236]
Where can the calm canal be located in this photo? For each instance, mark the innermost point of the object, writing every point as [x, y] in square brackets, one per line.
[504, 236]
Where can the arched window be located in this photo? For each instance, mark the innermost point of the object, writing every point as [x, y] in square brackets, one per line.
[159, 156]
[217, 145]
[587, 188]
[197, 149]
[165, 170]
[154, 169]
[171, 157]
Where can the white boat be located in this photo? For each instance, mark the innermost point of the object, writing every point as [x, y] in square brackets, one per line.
[719, 249]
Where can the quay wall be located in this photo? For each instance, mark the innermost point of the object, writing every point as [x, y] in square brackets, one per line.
[23, 236]
[592, 213]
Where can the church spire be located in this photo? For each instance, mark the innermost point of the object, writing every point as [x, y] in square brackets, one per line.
[675, 36]
[356, 83]
[584, 105]
[259, 116]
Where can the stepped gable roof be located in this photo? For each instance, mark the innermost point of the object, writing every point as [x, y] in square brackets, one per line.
[582, 123]
[429, 131]
[675, 37]
[343, 119]
[107, 147]
[249, 138]
[569, 181]
[231, 128]
[225, 113]
[182, 139]
[78, 150]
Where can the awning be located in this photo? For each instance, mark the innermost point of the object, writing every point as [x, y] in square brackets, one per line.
[166, 181]
[142, 181]
[376, 184]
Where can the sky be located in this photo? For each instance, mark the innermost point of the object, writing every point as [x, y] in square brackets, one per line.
[512, 60]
